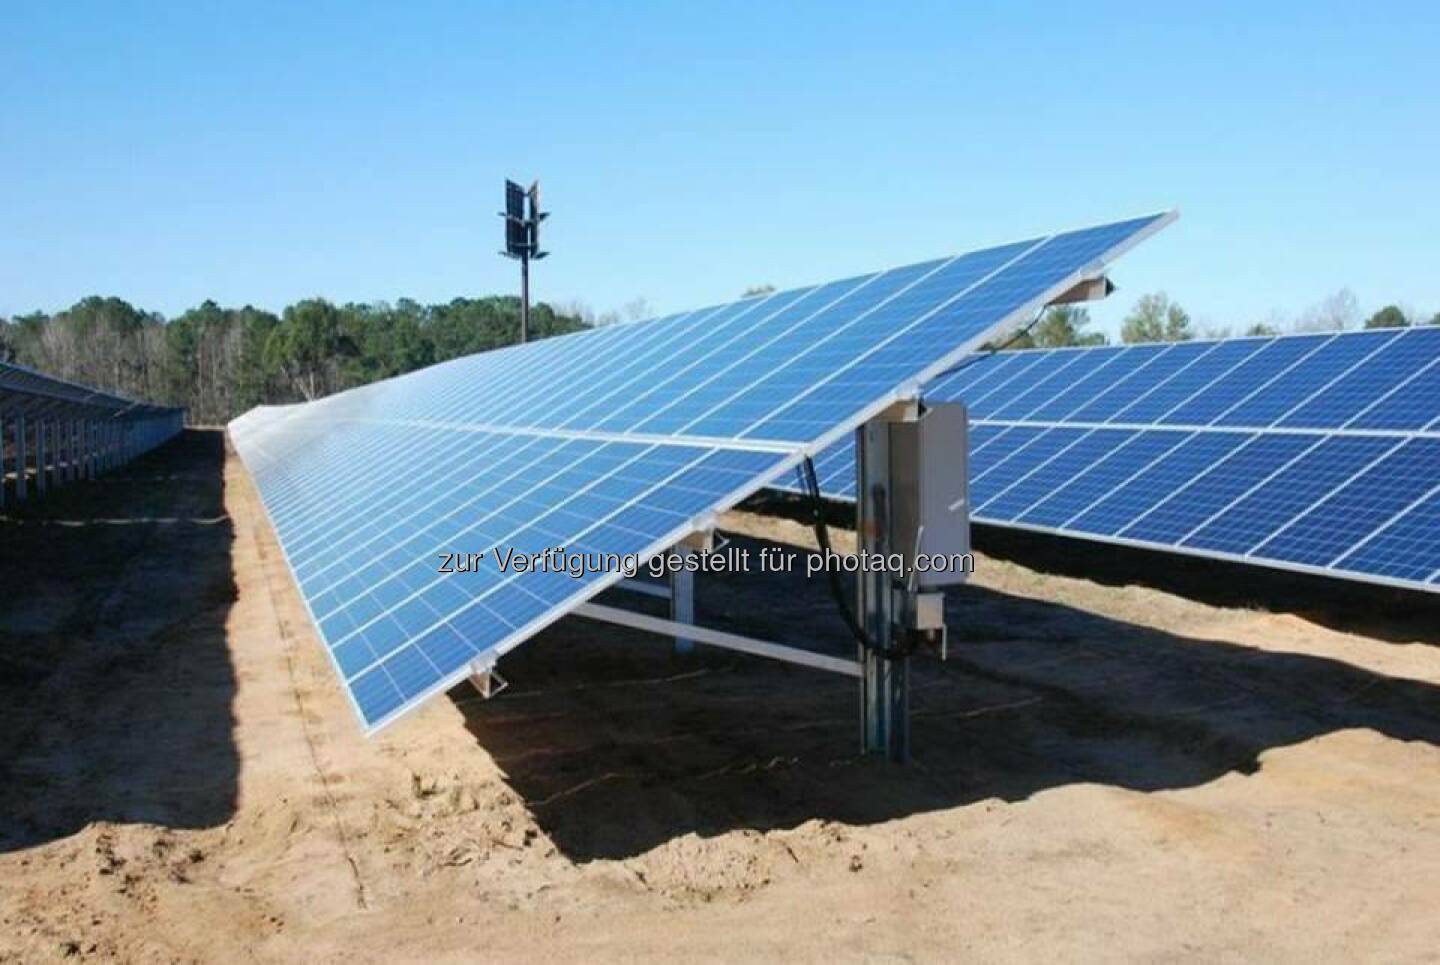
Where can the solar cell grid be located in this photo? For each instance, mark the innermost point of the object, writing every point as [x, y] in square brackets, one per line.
[1313, 452]
[621, 439]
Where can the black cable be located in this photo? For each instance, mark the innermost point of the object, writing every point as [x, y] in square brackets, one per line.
[822, 537]
[822, 532]
[1015, 336]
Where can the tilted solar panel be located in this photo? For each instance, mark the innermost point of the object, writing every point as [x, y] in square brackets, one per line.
[620, 440]
[1319, 453]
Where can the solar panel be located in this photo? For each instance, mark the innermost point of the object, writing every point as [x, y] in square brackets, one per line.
[621, 439]
[1318, 453]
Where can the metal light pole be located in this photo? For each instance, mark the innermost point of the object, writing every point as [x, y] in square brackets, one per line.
[522, 216]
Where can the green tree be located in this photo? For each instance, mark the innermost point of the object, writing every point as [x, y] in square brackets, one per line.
[1262, 328]
[754, 290]
[389, 340]
[1388, 317]
[308, 347]
[254, 379]
[1434, 319]
[1064, 325]
[1155, 318]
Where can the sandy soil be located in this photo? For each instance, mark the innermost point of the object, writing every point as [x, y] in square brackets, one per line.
[1102, 771]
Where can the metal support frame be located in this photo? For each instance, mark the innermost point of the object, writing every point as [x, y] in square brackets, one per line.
[40, 457]
[882, 599]
[21, 459]
[522, 216]
[682, 585]
[485, 679]
[717, 638]
[885, 681]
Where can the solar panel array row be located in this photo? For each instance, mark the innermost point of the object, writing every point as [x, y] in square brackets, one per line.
[616, 440]
[1313, 452]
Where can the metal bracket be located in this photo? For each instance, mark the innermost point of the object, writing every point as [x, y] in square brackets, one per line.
[1090, 290]
[485, 679]
[905, 409]
[700, 541]
[718, 638]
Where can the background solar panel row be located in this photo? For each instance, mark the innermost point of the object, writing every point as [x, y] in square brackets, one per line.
[1312, 452]
[619, 439]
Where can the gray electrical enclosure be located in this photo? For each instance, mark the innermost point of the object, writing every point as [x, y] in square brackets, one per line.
[929, 491]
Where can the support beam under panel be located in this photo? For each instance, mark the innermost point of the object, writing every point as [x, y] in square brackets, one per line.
[718, 638]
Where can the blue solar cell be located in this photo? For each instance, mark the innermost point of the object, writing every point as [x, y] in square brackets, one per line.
[1405, 549]
[986, 455]
[1147, 364]
[973, 375]
[1157, 480]
[1111, 365]
[995, 390]
[1038, 368]
[1367, 382]
[1063, 369]
[1254, 518]
[693, 381]
[1192, 504]
[1085, 448]
[1415, 403]
[617, 439]
[663, 487]
[1291, 388]
[1128, 485]
[1000, 475]
[1271, 358]
[1360, 507]
[1132, 452]
[1202, 372]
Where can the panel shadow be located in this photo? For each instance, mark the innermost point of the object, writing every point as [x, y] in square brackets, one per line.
[617, 745]
[115, 678]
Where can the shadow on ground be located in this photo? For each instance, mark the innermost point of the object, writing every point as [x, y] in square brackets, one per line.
[618, 746]
[115, 679]
[1383, 613]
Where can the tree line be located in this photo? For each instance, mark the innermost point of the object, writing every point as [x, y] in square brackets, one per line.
[218, 362]
[1158, 318]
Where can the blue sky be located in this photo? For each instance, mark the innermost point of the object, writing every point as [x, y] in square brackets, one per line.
[264, 153]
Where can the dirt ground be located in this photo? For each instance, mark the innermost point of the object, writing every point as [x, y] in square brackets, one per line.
[1103, 770]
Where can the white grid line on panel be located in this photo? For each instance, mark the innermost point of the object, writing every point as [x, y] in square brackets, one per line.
[584, 593]
[935, 367]
[637, 370]
[1056, 455]
[1394, 518]
[1205, 427]
[413, 514]
[1384, 344]
[1241, 497]
[766, 344]
[1254, 437]
[1433, 363]
[480, 599]
[651, 389]
[1320, 343]
[437, 548]
[1059, 386]
[1119, 354]
[1155, 358]
[538, 456]
[1163, 382]
[1319, 500]
[1184, 438]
